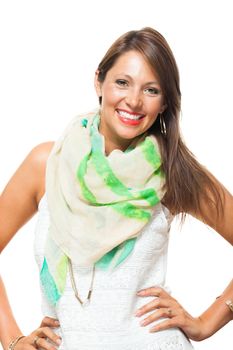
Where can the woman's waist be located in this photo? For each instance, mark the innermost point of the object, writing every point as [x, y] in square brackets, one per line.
[107, 311]
[112, 330]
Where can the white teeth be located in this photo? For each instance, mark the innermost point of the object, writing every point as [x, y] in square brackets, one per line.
[129, 116]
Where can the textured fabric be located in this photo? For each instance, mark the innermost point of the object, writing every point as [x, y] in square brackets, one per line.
[108, 323]
[98, 204]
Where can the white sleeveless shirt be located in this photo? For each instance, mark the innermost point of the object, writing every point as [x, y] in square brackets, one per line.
[108, 321]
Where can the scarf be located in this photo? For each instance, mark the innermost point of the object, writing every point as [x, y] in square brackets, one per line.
[97, 204]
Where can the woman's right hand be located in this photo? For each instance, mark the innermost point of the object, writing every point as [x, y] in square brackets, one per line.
[42, 338]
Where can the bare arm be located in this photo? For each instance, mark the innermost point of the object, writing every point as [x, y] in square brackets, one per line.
[218, 314]
[19, 200]
[18, 203]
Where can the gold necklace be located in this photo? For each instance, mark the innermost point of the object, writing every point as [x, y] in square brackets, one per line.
[74, 286]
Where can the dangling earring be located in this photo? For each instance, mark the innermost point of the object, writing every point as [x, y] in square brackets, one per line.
[162, 125]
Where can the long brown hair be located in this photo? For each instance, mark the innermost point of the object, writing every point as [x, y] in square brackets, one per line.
[187, 181]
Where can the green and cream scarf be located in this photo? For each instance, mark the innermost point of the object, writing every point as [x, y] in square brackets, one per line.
[97, 204]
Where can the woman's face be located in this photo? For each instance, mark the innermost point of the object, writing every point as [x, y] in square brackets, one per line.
[131, 100]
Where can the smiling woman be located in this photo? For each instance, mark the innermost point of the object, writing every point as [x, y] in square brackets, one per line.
[131, 100]
[107, 192]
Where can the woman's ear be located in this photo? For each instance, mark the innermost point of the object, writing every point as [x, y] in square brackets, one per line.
[97, 84]
[163, 108]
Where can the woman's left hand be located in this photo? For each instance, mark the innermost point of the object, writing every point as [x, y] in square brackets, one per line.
[176, 316]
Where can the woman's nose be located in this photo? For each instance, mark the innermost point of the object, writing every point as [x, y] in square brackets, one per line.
[133, 98]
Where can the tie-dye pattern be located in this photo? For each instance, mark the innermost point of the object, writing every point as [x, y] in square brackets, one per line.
[98, 204]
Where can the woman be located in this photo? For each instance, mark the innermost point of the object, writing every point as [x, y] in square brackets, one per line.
[107, 191]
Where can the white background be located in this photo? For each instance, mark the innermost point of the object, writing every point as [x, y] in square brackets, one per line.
[49, 52]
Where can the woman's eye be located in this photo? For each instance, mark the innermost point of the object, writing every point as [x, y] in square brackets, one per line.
[152, 91]
[121, 82]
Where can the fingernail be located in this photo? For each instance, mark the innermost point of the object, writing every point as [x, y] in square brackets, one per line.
[143, 323]
[137, 313]
[58, 341]
[152, 330]
[141, 291]
[57, 323]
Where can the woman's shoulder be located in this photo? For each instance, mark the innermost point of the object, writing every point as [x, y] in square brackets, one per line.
[36, 162]
[39, 154]
[21, 195]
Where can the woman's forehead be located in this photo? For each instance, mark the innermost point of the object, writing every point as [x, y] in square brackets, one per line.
[133, 63]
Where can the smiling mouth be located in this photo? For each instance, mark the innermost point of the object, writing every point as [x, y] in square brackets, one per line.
[130, 116]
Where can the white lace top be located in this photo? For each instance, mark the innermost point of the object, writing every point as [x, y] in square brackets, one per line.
[108, 322]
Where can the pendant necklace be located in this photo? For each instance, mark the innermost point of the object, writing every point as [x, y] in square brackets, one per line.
[74, 286]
